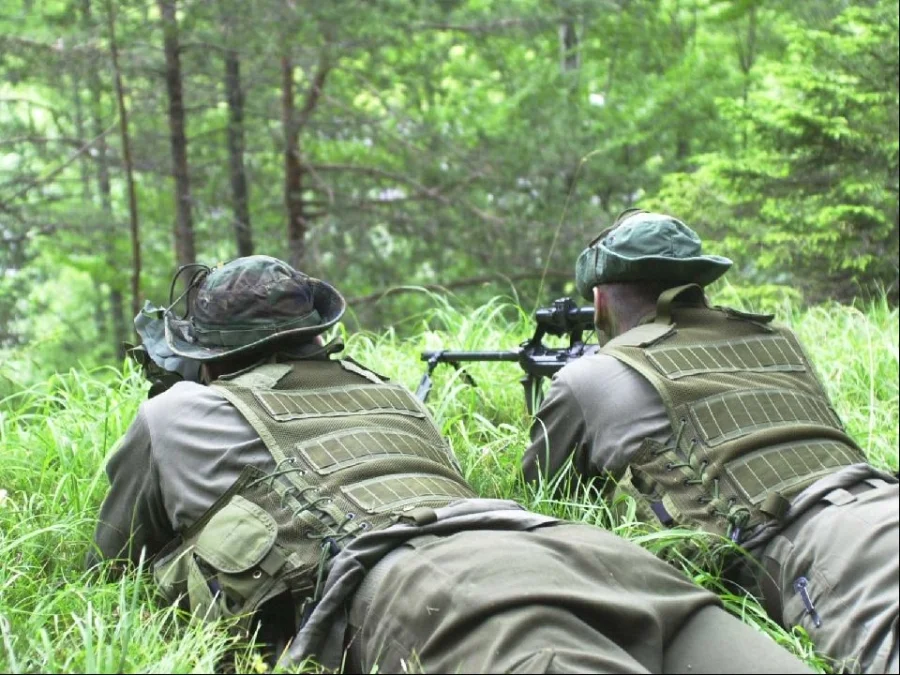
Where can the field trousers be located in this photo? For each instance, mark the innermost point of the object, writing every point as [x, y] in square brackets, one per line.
[835, 573]
[561, 598]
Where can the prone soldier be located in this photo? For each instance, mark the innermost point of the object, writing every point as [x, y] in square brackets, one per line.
[315, 501]
[713, 418]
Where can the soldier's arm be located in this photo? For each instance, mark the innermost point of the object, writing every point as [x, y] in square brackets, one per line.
[132, 516]
[598, 412]
[558, 432]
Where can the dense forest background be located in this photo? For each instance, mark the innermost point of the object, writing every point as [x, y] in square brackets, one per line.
[476, 145]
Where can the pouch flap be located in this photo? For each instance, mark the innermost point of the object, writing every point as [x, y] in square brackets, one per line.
[237, 537]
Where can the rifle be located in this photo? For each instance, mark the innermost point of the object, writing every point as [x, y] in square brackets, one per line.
[160, 379]
[538, 361]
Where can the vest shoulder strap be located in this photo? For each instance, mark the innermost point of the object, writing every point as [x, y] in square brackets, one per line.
[641, 336]
[357, 368]
[667, 299]
[662, 325]
[265, 376]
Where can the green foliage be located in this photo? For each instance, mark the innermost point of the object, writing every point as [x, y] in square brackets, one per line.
[450, 141]
[763, 298]
[807, 191]
[861, 375]
[54, 437]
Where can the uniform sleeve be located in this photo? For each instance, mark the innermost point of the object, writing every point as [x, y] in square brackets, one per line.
[557, 432]
[132, 516]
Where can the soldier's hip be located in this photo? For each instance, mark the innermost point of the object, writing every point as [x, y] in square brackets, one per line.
[834, 571]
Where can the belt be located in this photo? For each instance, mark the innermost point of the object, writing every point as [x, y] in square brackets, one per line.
[836, 497]
[769, 588]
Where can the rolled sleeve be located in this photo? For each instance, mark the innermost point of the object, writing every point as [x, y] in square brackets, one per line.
[132, 518]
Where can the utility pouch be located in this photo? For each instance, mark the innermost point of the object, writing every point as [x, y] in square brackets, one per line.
[228, 568]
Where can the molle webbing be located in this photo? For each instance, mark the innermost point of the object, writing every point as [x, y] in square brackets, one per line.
[340, 438]
[353, 453]
[767, 353]
[389, 493]
[719, 419]
[343, 449]
[752, 426]
[365, 399]
[759, 473]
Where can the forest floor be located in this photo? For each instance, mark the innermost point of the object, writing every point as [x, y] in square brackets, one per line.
[54, 438]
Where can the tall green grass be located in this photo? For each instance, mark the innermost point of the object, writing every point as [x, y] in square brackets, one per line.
[54, 438]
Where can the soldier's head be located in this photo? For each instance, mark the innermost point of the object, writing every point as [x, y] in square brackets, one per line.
[626, 267]
[249, 308]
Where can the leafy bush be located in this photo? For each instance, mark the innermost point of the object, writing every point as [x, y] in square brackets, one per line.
[808, 189]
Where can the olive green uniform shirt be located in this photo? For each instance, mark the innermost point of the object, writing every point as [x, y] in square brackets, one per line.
[597, 411]
[184, 449]
[187, 446]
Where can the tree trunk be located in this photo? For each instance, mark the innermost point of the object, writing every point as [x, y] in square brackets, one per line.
[79, 130]
[682, 145]
[239, 196]
[117, 312]
[126, 156]
[293, 124]
[293, 168]
[569, 52]
[116, 304]
[746, 60]
[184, 228]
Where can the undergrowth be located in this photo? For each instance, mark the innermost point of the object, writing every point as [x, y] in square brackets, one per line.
[54, 437]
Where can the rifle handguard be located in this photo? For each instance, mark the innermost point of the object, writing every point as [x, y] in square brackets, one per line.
[564, 317]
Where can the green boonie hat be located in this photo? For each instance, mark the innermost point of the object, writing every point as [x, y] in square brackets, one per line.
[249, 302]
[644, 246]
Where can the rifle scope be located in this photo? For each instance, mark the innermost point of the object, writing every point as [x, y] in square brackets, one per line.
[563, 317]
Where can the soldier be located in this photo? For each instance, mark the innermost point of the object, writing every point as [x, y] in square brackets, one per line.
[316, 500]
[713, 418]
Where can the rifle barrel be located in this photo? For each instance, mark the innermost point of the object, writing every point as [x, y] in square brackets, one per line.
[451, 356]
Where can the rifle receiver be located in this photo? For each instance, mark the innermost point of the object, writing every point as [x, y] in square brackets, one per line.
[564, 317]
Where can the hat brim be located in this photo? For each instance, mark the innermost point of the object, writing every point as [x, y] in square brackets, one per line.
[327, 301]
[602, 266]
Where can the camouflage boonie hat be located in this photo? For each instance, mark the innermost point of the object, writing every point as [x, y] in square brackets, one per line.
[249, 302]
[644, 246]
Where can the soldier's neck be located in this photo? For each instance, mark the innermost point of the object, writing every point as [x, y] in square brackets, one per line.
[623, 319]
[622, 306]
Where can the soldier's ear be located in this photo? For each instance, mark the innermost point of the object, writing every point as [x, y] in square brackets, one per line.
[601, 316]
[599, 302]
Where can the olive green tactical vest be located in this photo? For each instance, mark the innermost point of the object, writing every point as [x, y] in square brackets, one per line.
[752, 425]
[353, 453]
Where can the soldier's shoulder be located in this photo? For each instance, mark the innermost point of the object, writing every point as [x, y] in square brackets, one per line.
[588, 370]
[178, 397]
